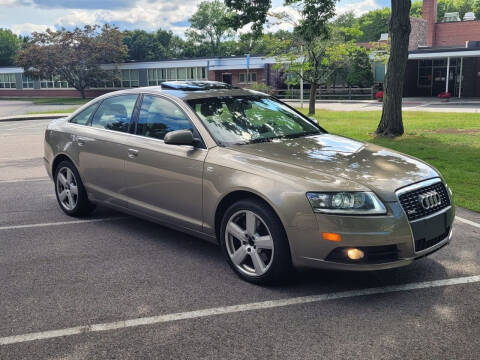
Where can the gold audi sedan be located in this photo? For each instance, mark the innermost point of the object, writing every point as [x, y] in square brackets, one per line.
[244, 170]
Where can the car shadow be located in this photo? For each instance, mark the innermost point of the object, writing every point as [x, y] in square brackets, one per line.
[301, 282]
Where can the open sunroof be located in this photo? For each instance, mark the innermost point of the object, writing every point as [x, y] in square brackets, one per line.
[195, 85]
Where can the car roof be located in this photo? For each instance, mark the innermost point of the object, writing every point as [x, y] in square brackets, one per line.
[191, 90]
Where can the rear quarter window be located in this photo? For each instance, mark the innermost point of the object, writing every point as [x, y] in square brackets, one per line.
[82, 117]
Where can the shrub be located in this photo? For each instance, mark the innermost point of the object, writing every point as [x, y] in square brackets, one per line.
[444, 95]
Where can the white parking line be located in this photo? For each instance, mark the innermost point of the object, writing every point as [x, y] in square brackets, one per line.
[24, 180]
[60, 223]
[467, 221]
[232, 309]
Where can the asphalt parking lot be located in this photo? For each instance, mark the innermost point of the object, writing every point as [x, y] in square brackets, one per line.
[116, 287]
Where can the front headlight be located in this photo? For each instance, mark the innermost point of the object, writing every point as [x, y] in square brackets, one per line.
[355, 203]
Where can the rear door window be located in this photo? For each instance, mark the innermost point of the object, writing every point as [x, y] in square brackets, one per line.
[115, 113]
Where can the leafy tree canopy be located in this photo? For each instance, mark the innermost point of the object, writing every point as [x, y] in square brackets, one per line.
[210, 24]
[75, 56]
[9, 45]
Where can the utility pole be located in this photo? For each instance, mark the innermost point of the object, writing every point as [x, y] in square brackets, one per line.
[301, 80]
[248, 69]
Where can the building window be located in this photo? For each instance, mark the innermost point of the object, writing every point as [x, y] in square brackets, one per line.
[425, 71]
[27, 81]
[182, 74]
[54, 82]
[130, 78]
[202, 73]
[252, 77]
[7, 81]
[157, 76]
[171, 74]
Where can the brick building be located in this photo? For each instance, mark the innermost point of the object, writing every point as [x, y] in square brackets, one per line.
[237, 71]
[443, 56]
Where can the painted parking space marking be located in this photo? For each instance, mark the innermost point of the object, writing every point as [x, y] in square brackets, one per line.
[232, 309]
[24, 180]
[60, 223]
[469, 222]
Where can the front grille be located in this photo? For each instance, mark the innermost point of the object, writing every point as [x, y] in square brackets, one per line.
[415, 210]
[373, 255]
[423, 244]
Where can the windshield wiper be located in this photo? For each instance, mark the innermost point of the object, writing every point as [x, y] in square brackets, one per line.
[293, 136]
[261, 140]
[288, 136]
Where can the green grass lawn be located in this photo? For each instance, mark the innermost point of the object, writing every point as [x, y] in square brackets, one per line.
[448, 141]
[59, 111]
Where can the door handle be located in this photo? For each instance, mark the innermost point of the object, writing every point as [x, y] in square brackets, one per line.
[132, 153]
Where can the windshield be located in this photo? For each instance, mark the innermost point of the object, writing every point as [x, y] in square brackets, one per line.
[249, 119]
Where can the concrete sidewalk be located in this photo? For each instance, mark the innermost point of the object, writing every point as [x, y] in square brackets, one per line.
[9, 108]
[33, 117]
[409, 104]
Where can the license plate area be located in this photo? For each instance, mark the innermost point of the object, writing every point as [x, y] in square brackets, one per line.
[431, 231]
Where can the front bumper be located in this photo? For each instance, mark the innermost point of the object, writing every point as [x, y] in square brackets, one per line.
[392, 231]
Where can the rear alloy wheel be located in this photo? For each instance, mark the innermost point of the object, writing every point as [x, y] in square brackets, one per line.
[71, 194]
[254, 242]
[67, 189]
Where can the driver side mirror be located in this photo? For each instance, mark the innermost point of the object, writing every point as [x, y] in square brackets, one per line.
[179, 137]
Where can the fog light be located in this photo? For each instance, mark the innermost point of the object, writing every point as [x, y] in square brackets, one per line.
[331, 237]
[355, 254]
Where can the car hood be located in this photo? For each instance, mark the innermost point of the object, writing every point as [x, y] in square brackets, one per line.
[380, 169]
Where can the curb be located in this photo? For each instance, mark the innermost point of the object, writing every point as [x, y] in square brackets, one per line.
[34, 117]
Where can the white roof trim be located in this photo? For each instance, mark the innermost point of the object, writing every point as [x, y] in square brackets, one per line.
[11, 70]
[444, 54]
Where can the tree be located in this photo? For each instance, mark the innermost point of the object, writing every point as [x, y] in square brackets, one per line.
[416, 9]
[9, 45]
[476, 9]
[374, 23]
[391, 123]
[210, 24]
[75, 56]
[463, 6]
[443, 7]
[147, 46]
[310, 33]
[359, 67]
[140, 44]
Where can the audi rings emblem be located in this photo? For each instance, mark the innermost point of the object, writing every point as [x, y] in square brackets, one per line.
[430, 200]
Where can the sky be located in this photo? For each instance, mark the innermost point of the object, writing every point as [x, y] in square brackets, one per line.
[26, 16]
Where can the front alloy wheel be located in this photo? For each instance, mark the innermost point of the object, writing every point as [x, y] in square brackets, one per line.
[249, 243]
[255, 243]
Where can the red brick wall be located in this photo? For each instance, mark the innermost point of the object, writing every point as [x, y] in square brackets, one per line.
[429, 13]
[216, 75]
[51, 93]
[456, 33]
[447, 34]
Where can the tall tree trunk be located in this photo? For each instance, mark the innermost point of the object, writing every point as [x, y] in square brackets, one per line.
[82, 92]
[391, 123]
[313, 97]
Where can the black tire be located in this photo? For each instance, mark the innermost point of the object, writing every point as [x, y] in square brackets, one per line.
[83, 206]
[280, 266]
